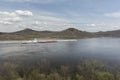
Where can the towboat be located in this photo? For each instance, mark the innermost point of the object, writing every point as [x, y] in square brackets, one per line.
[48, 41]
[38, 41]
[30, 41]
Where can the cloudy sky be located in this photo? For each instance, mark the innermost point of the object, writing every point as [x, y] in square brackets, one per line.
[87, 15]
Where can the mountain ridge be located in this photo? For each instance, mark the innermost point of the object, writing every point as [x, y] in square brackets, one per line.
[30, 34]
[67, 33]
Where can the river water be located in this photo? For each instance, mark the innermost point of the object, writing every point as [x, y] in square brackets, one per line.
[107, 49]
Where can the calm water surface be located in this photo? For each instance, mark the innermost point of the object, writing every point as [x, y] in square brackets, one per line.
[98, 48]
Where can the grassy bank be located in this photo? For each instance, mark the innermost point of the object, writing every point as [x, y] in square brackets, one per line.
[44, 70]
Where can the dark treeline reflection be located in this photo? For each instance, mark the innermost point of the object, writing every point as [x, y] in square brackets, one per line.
[86, 69]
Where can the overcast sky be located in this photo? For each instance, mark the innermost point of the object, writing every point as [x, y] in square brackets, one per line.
[87, 15]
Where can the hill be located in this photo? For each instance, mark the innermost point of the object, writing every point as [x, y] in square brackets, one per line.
[74, 33]
[30, 34]
[71, 33]
[114, 33]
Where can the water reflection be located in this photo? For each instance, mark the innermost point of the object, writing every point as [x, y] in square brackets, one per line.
[102, 48]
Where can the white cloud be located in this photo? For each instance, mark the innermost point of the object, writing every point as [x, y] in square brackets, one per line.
[10, 20]
[40, 24]
[17, 13]
[23, 13]
[5, 22]
[13, 17]
[20, 19]
[17, 20]
[93, 25]
[100, 27]
[114, 14]
[52, 19]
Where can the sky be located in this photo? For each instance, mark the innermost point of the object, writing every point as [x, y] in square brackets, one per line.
[56, 15]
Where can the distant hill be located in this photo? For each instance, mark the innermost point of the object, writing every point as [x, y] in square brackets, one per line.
[74, 33]
[27, 30]
[114, 33]
[67, 33]
[30, 34]
[1, 33]
[30, 31]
